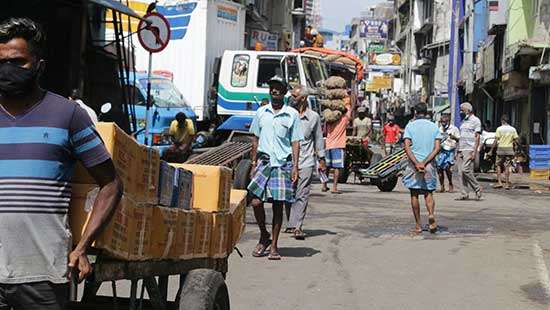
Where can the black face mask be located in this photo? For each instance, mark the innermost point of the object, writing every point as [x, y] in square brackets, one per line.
[293, 102]
[16, 81]
[462, 115]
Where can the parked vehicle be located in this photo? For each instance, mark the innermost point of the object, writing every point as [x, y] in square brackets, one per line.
[167, 101]
[243, 77]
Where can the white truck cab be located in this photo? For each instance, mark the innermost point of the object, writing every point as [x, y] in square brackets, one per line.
[243, 77]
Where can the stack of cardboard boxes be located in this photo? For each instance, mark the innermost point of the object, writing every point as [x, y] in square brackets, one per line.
[167, 210]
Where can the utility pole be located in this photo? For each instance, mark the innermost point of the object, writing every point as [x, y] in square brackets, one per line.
[454, 88]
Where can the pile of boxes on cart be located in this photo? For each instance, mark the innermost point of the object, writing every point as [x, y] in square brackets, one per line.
[539, 162]
[168, 211]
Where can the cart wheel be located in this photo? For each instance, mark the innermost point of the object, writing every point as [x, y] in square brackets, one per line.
[388, 185]
[375, 158]
[242, 174]
[204, 289]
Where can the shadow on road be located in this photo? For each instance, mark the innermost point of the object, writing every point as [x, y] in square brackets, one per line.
[318, 232]
[298, 252]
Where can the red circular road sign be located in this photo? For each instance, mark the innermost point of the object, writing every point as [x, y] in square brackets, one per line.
[154, 33]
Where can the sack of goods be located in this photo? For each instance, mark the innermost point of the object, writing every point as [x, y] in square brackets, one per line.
[334, 107]
[167, 211]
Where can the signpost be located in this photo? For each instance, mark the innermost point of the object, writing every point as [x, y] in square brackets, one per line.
[154, 35]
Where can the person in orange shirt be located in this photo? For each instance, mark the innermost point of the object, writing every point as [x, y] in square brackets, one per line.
[391, 134]
[336, 148]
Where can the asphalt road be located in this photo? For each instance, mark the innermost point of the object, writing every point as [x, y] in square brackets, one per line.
[491, 254]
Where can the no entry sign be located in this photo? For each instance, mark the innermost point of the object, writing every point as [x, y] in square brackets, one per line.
[154, 33]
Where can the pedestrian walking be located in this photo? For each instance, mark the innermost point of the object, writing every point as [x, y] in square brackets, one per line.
[312, 148]
[275, 156]
[506, 138]
[422, 143]
[391, 133]
[468, 146]
[42, 135]
[336, 147]
[445, 160]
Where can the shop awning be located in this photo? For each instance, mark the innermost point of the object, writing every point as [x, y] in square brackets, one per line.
[116, 6]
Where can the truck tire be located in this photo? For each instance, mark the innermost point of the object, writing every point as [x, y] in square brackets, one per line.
[344, 175]
[242, 174]
[388, 185]
[204, 289]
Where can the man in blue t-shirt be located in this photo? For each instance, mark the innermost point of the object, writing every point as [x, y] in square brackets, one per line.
[422, 143]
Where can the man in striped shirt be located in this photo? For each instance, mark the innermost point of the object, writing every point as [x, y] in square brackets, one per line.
[42, 135]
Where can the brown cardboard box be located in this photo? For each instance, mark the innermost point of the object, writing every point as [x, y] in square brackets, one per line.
[185, 234]
[128, 234]
[220, 234]
[137, 165]
[211, 187]
[164, 233]
[237, 213]
[203, 234]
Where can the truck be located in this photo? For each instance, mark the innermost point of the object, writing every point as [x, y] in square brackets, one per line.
[201, 31]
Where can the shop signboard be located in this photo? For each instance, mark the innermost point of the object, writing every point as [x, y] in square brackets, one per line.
[263, 40]
[373, 29]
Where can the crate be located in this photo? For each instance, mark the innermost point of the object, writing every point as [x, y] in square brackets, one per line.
[540, 174]
[539, 164]
[539, 151]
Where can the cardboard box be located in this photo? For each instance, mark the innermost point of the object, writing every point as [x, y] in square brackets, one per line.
[164, 233]
[237, 214]
[211, 187]
[137, 165]
[202, 236]
[185, 189]
[185, 234]
[220, 234]
[128, 234]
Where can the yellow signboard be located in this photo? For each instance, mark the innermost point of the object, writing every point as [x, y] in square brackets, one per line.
[378, 83]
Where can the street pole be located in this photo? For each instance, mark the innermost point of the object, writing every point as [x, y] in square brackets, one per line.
[453, 94]
[148, 108]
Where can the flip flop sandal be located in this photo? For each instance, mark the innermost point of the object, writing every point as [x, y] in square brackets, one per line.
[433, 225]
[289, 230]
[261, 248]
[462, 198]
[275, 256]
[336, 193]
[496, 186]
[324, 190]
[415, 232]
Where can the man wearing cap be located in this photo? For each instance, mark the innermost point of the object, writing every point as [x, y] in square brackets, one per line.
[362, 124]
[470, 131]
[275, 156]
[391, 134]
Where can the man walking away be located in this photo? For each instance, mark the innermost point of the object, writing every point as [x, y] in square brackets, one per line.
[450, 136]
[505, 138]
[275, 155]
[42, 135]
[422, 143]
[182, 132]
[336, 147]
[312, 147]
[468, 146]
[391, 135]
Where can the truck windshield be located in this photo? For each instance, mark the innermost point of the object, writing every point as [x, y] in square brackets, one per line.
[314, 70]
[164, 93]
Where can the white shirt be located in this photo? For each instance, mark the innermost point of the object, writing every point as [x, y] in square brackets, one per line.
[447, 143]
[90, 111]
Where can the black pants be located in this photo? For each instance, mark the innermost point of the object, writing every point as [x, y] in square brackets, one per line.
[33, 296]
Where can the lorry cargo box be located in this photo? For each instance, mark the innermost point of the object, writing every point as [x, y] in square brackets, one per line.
[137, 165]
[211, 187]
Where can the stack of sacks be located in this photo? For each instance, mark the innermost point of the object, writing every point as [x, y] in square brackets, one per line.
[334, 107]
